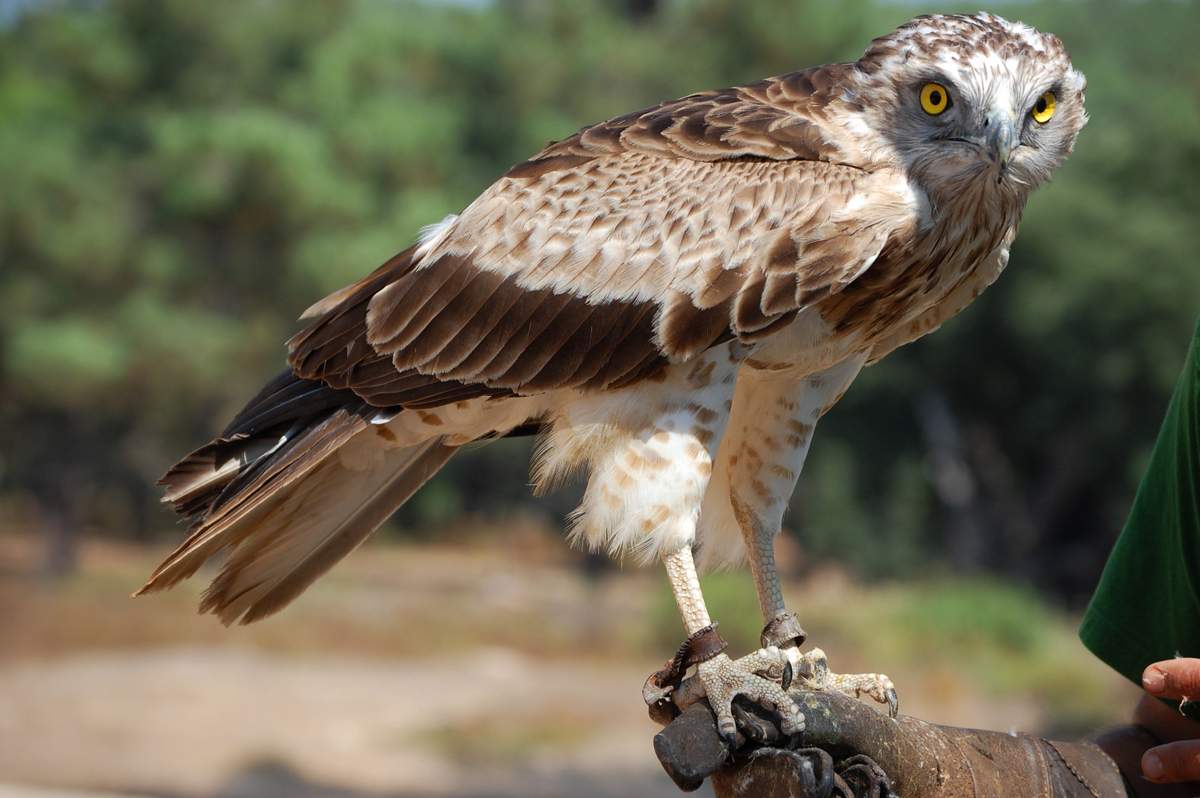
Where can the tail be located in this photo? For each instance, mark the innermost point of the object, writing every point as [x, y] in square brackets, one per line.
[302, 476]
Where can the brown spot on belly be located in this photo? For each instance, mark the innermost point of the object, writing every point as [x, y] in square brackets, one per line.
[705, 469]
[646, 460]
[761, 489]
[656, 460]
[800, 428]
[432, 419]
[386, 434]
[694, 450]
[702, 413]
[658, 516]
[634, 461]
[704, 435]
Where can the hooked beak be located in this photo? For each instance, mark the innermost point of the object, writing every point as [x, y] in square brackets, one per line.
[1001, 137]
[998, 135]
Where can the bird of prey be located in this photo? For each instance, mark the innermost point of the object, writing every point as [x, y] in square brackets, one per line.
[672, 298]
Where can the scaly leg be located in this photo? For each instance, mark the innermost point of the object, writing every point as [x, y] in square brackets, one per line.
[783, 630]
[724, 678]
[762, 476]
[647, 485]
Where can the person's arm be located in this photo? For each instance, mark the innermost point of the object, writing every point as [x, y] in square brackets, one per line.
[912, 758]
[849, 750]
[1145, 612]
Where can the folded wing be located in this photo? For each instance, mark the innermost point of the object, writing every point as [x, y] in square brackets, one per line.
[635, 243]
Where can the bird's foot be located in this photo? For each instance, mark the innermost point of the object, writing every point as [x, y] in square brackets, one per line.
[762, 677]
[811, 669]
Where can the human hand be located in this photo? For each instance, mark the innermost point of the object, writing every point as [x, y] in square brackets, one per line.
[1179, 759]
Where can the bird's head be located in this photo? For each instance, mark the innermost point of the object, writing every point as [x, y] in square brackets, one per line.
[972, 104]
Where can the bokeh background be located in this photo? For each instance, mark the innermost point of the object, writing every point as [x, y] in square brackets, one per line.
[178, 179]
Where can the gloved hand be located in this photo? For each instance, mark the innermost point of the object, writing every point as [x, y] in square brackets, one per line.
[849, 749]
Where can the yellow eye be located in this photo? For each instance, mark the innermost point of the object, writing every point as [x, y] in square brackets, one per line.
[1043, 109]
[934, 98]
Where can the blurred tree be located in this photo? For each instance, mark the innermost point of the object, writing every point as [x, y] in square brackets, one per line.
[179, 182]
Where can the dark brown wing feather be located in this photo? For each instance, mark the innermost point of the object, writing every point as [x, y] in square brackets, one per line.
[450, 332]
[289, 408]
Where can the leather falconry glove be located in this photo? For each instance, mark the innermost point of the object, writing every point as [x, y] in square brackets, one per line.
[850, 750]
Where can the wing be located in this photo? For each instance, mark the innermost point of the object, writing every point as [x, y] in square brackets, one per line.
[635, 243]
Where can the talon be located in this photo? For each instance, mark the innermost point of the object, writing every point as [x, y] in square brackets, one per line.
[786, 681]
[893, 702]
[724, 679]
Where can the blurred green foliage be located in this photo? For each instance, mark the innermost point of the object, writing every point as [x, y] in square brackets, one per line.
[179, 180]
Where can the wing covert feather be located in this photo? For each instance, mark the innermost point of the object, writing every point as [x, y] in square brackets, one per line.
[637, 242]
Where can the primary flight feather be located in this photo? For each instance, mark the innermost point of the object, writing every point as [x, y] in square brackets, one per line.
[673, 298]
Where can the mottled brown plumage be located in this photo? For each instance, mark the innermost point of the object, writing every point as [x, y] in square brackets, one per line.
[674, 297]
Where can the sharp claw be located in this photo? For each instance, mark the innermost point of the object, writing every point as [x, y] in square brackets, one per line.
[756, 679]
[893, 702]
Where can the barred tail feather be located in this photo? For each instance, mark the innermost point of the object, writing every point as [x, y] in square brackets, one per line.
[323, 518]
[288, 500]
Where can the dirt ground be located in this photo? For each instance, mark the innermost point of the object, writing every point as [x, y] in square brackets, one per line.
[217, 722]
[431, 671]
[436, 672]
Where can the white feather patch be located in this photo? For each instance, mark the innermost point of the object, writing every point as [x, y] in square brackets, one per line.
[432, 235]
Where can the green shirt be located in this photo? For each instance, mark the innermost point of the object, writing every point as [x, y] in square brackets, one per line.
[1147, 607]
